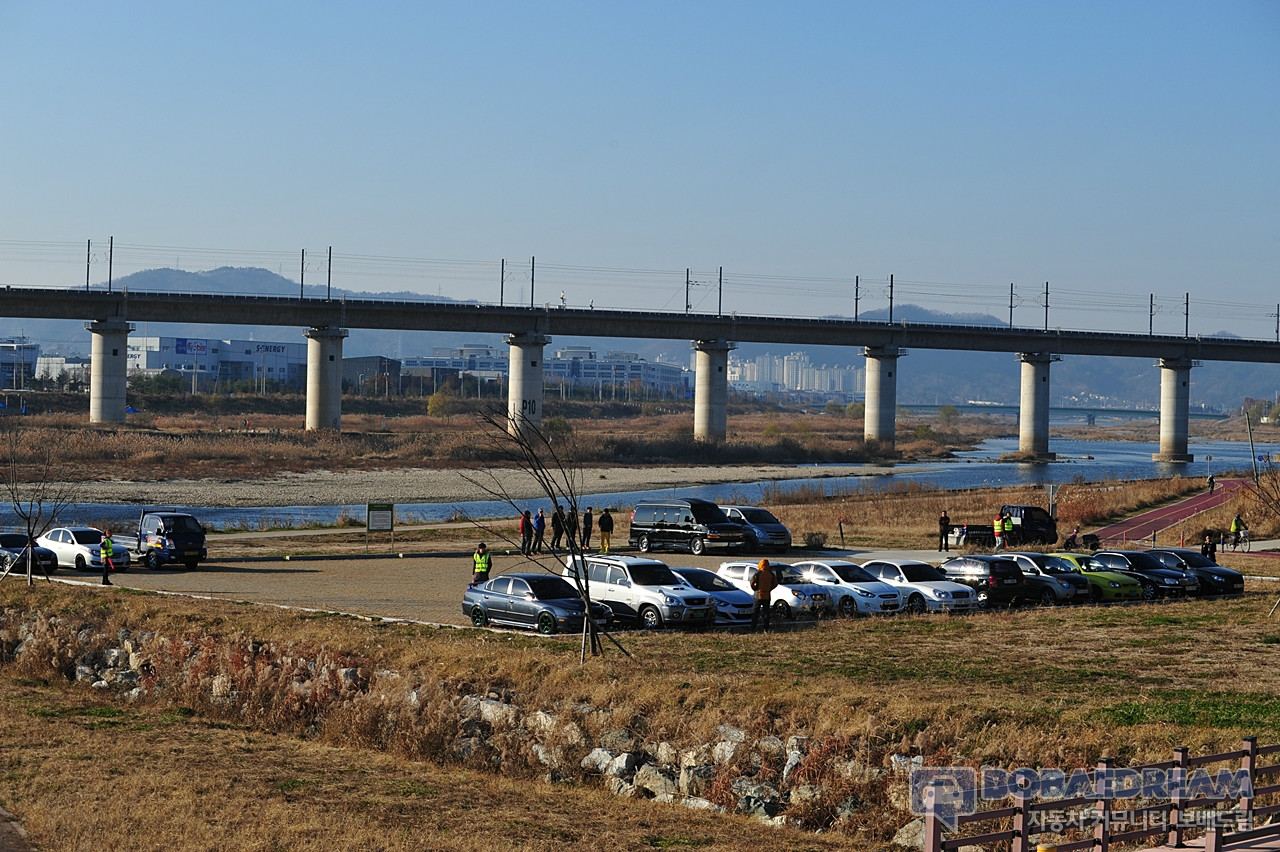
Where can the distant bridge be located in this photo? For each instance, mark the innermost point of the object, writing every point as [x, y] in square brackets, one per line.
[528, 330]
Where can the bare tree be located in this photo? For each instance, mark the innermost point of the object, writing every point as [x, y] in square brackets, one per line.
[546, 457]
[37, 483]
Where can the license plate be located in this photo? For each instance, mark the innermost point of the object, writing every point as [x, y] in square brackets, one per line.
[1010, 582]
[697, 613]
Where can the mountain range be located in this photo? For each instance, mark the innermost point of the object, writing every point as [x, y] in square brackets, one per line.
[925, 376]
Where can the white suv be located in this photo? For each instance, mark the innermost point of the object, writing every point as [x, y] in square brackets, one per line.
[640, 590]
[793, 596]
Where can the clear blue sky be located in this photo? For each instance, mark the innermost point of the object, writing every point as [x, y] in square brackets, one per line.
[1114, 149]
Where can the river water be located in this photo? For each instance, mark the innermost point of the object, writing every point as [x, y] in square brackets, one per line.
[1089, 461]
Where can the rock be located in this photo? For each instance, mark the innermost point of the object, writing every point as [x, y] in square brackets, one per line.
[770, 748]
[752, 806]
[902, 764]
[664, 753]
[116, 657]
[546, 756]
[413, 698]
[490, 710]
[848, 809]
[350, 678]
[86, 673]
[655, 781]
[468, 747]
[728, 733]
[910, 835]
[221, 687]
[128, 677]
[541, 722]
[134, 694]
[696, 756]
[793, 760]
[620, 787]
[598, 760]
[722, 753]
[798, 743]
[556, 776]
[623, 764]
[697, 780]
[100, 684]
[750, 788]
[700, 804]
[619, 739]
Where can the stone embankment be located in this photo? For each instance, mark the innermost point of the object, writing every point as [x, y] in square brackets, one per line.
[308, 691]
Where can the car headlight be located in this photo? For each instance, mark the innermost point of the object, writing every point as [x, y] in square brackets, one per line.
[799, 595]
[941, 594]
[1064, 584]
[670, 601]
[864, 593]
[1113, 584]
[1215, 578]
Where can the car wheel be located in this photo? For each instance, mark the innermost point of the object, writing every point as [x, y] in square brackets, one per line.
[478, 617]
[192, 564]
[546, 623]
[916, 605]
[152, 560]
[1095, 594]
[847, 607]
[1047, 597]
[650, 618]
[781, 610]
[644, 544]
[982, 599]
[81, 564]
[697, 547]
[1150, 592]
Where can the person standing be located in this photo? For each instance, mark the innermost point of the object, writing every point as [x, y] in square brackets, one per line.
[481, 563]
[526, 532]
[1209, 550]
[997, 529]
[763, 582]
[944, 530]
[557, 527]
[539, 531]
[586, 530]
[605, 526]
[1007, 524]
[108, 549]
[1213, 483]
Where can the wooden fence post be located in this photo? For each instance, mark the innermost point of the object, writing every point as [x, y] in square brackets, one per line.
[1102, 789]
[1249, 763]
[1177, 798]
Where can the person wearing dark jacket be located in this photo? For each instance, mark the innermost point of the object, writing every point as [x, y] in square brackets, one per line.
[526, 532]
[605, 525]
[1209, 550]
[557, 527]
[763, 582]
[586, 529]
[539, 531]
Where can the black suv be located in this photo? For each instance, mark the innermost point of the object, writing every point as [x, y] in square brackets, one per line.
[997, 580]
[690, 523]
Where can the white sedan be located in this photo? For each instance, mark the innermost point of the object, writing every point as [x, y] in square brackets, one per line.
[81, 548]
[792, 597]
[926, 588]
[860, 593]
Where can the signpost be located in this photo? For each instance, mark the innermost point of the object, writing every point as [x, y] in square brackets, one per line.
[379, 517]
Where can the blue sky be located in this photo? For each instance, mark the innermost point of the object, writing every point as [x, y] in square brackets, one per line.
[1115, 150]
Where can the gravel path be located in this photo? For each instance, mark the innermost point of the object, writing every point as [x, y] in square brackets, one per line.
[328, 488]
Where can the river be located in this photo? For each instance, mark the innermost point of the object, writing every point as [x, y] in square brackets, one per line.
[1089, 461]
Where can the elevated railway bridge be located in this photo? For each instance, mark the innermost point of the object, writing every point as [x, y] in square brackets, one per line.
[109, 318]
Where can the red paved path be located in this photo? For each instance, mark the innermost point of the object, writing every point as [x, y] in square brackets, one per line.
[1142, 526]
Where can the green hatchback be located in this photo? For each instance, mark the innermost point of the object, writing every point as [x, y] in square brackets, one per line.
[1104, 586]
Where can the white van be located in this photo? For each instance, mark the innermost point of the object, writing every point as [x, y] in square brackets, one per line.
[642, 591]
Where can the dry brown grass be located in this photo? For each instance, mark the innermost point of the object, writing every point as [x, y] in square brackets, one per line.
[1040, 687]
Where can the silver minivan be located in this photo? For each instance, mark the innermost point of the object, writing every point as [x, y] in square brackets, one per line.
[642, 591]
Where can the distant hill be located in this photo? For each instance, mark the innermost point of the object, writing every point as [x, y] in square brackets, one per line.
[925, 376]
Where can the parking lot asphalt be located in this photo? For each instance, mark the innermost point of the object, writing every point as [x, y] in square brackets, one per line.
[421, 587]
[424, 587]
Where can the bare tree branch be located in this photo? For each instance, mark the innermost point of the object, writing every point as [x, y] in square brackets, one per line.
[37, 484]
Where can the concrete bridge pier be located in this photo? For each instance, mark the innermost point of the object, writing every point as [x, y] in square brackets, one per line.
[711, 390]
[108, 369]
[1175, 409]
[324, 377]
[524, 389]
[881, 393]
[1033, 414]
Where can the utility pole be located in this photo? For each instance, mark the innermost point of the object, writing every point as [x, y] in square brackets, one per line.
[1046, 306]
[328, 285]
[88, 258]
[687, 305]
[1010, 304]
[857, 287]
[502, 286]
[890, 298]
[302, 276]
[720, 303]
[111, 257]
[532, 271]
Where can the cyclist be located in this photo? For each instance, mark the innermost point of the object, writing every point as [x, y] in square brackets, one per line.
[1238, 529]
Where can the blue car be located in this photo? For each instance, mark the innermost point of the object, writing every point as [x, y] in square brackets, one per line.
[542, 602]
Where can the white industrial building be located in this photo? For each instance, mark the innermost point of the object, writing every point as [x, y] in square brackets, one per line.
[212, 360]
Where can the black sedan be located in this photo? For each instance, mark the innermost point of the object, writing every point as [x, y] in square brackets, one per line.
[544, 602]
[1214, 579]
[1157, 580]
[15, 546]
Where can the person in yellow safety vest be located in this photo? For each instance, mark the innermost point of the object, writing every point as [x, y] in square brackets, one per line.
[1007, 525]
[997, 530]
[107, 547]
[1237, 526]
[482, 562]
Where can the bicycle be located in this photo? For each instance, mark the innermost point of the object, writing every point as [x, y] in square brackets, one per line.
[1241, 541]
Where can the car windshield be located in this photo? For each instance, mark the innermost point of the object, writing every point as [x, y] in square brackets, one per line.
[758, 516]
[1144, 562]
[551, 588]
[13, 540]
[1195, 560]
[1054, 565]
[853, 574]
[918, 572]
[653, 574]
[712, 514]
[789, 575]
[87, 536]
[1088, 563]
[181, 523]
[705, 581]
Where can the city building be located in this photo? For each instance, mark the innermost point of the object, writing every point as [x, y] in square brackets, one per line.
[18, 359]
[211, 362]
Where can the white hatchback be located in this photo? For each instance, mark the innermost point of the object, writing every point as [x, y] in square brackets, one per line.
[860, 593]
[792, 597]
